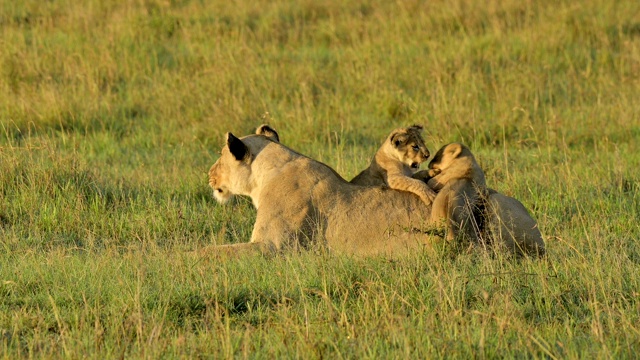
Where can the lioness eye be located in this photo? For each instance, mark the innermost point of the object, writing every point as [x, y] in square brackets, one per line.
[415, 148]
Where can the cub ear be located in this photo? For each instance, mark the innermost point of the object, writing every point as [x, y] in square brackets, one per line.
[455, 149]
[397, 139]
[237, 147]
[268, 131]
[416, 127]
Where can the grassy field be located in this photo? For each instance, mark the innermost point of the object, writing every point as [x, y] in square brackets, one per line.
[111, 113]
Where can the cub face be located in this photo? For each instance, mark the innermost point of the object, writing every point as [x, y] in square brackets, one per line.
[231, 174]
[409, 147]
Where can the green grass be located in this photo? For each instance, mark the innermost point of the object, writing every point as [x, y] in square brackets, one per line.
[111, 113]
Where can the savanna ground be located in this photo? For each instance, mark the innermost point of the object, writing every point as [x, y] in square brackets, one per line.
[112, 112]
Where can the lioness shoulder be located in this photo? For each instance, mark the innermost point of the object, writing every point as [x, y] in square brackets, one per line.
[396, 161]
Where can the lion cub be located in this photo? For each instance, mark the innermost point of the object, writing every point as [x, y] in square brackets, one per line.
[476, 212]
[397, 160]
[459, 181]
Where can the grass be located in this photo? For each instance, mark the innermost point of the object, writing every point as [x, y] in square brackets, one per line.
[112, 112]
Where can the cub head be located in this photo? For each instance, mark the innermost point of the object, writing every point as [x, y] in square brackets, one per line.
[447, 155]
[408, 146]
[231, 174]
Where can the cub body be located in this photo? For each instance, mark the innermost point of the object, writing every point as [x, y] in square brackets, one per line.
[459, 181]
[397, 160]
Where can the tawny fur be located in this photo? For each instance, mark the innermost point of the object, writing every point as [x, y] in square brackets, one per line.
[397, 160]
[461, 184]
[301, 202]
[509, 222]
[459, 180]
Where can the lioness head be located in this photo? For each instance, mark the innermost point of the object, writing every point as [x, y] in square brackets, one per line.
[408, 146]
[447, 155]
[231, 174]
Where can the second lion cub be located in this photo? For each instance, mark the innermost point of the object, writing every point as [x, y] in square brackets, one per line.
[397, 160]
[460, 183]
[476, 212]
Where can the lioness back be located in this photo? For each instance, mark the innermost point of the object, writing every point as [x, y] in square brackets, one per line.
[509, 221]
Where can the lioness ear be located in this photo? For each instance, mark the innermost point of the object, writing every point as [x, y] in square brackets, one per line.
[268, 131]
[237, 147]
[454, 149]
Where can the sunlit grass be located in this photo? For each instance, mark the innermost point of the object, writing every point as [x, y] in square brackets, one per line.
[111, 113]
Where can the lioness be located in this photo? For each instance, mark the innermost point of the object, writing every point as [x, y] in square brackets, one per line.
[397, 160]
[460, 183]
[301, 202]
